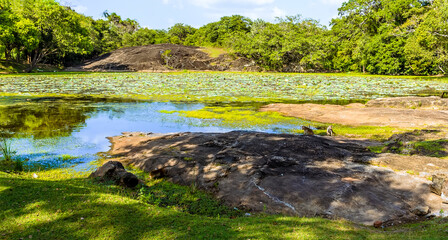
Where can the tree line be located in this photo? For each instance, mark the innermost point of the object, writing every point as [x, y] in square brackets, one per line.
[374, 36]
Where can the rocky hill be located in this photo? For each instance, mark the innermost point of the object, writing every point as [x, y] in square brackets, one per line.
[165, 57]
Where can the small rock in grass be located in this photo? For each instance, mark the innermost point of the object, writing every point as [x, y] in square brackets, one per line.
[377, 224]
[420, 210]
[114, 171]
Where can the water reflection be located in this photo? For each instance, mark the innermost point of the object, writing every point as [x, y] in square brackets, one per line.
[45, 130]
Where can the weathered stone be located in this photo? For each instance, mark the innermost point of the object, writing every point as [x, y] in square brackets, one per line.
[107, 170]
[288, 174]
[438, 183]
[420, 210]
[432, 102]
[356, 115]
[114, 171]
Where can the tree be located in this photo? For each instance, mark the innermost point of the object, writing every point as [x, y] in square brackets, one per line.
[292, 44]
[217, 33]
[427, 48]
[179, 32]
[51, 28]
[368, 38]
[145, 36]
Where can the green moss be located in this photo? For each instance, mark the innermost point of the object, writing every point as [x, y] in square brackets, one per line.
[239, 117]
[434, 148]
[368, 132]
[376, 149]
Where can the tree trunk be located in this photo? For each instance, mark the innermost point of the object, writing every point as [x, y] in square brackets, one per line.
[18, 56]
[35, 59]
[7, 54]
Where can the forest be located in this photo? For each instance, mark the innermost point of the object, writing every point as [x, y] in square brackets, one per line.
[391, 37]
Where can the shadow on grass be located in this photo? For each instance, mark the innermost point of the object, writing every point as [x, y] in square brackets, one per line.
[79, 209]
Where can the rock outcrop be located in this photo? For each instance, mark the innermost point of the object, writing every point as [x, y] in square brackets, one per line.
[435, 103]
[281, 173]
[392, 112]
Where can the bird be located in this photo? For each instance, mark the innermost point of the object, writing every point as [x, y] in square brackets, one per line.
[330, 131]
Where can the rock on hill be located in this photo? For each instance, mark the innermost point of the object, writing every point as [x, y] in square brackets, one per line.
[164, 57]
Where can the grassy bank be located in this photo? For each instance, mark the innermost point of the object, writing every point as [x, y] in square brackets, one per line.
[60, 204]
[12, 67]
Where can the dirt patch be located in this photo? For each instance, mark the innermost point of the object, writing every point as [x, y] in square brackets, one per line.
[164, 58]
[369, 114]
[281, 173]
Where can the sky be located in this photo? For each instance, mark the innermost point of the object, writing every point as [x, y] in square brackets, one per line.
[162, 14]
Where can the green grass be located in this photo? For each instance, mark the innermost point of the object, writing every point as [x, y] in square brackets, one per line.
[60, 204]
[432, 148]
[369, 132]
[213, 52]
[11, 67]
[376, 149]
[14, 67]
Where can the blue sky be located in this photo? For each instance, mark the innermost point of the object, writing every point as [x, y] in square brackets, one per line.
[162, 14]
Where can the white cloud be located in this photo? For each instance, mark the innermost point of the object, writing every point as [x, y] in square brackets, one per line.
[215, 3]
[277, 12]
[254, 9]
[80, 9]
[265, 13]
[75, 5]
[333, 2]
[174, 3]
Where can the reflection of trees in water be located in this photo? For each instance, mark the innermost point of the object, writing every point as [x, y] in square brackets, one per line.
[43, 120]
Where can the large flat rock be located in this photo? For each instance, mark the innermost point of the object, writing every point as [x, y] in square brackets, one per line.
[280, 173]
[360, 115]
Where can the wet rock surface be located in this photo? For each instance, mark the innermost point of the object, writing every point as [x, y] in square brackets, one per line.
[280, 173]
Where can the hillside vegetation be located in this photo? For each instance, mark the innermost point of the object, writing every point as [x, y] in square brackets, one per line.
[393, 37]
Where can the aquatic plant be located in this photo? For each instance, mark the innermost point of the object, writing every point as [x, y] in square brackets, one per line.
[8, 162]
[219, 87]
[6, 150]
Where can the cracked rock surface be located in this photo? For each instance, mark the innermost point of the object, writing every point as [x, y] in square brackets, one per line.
[281, 173]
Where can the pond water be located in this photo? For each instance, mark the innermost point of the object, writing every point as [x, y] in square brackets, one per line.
[53, 131]
[71, 131]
